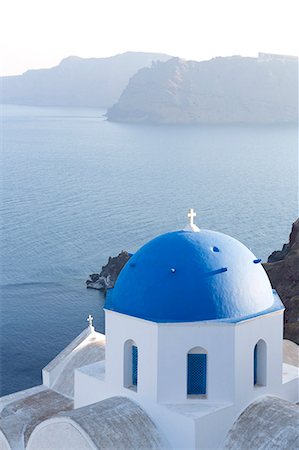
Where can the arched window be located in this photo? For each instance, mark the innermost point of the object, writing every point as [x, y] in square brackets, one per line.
[260, 363]
[130, 365]
[197, 359]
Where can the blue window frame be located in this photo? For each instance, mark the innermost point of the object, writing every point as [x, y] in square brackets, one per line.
[255, 365]
[134, 365]
[197, 374]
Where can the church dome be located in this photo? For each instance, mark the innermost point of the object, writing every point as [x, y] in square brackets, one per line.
[186, 276]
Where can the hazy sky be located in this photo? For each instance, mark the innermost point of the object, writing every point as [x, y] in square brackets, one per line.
[39, 33]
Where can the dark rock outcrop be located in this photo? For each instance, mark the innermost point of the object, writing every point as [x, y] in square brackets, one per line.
[107, 277]
[223, 90]
[283, 270]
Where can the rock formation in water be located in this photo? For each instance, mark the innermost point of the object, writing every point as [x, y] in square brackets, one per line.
[283, 270]
[109, 273]
[90, 82]
[223, 90]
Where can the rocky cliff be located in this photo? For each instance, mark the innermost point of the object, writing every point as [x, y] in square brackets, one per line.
[283, 270]
[223, 90]
[107, 277]
[91, 82]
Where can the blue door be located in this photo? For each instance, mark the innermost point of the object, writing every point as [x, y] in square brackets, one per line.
[134, 365]
[197, 374]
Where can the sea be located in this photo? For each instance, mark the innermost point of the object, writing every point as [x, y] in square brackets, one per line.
[76, 189]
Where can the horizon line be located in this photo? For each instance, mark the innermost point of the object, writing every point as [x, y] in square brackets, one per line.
[151, 52]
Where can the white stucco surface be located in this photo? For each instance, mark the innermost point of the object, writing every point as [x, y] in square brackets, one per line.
[290, 353]
[268, 423]
[20, 395]
[92, 371]
[289, 373]
[87, 348]
[21, 416]
[49, 436]
[116, 423]
[196, 410]
[96, 370]
[162, 373]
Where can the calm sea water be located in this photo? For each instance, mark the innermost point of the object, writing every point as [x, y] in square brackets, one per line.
[76, 189]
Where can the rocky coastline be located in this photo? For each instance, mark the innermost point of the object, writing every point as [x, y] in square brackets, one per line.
[107, 277]
[283, 271]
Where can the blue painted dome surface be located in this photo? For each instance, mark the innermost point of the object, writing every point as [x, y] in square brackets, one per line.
[186, 276]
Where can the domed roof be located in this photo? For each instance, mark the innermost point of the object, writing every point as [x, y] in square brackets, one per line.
[186, 276]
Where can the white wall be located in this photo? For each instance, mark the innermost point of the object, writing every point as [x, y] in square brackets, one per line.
[162, 373]
[119, 329]
[270, 329]
[210, 430]
[162, 357]
[290, 389]
[176, 340]
[88, 390]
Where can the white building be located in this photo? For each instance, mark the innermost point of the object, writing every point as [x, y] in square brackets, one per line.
[193, 359]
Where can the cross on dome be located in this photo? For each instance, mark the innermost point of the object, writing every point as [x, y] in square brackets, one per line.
[191, 215]
[89, 320]
[191, 225]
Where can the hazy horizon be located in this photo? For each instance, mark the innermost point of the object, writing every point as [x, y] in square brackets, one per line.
[133, 51]
[38, 34]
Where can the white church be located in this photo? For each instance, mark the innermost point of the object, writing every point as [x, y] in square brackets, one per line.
[193, 358]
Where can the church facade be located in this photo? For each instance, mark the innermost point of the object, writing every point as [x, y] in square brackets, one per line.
[193, 343]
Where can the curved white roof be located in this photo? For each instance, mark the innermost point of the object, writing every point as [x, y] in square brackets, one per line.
[267, 423]
[115, 423]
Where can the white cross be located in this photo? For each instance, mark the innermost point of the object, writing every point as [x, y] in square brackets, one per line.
[191, 215]
[90, 319]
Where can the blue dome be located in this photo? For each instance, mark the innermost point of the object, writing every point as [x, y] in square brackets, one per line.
[186, 276]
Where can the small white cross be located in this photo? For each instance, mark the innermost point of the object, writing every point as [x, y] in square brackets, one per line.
[191, 215]
[191, 225]
[89, 320]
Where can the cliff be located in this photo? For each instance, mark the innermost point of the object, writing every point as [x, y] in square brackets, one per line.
[223, 90]
[90, 82]
[283, 270]
[107, 277]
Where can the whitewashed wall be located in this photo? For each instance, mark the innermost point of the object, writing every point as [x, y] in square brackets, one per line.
[162, 373]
